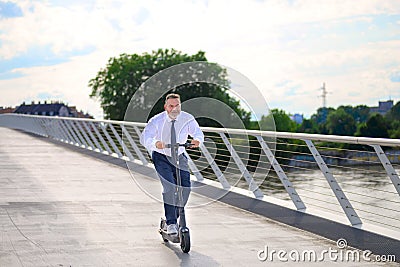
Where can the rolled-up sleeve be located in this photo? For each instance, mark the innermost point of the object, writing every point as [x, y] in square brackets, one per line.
[195, 131]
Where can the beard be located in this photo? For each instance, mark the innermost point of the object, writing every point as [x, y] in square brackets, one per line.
[174, 114]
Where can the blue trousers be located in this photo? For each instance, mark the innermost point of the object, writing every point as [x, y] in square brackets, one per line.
[167, 173]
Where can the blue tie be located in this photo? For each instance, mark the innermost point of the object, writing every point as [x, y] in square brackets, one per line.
[174, 148]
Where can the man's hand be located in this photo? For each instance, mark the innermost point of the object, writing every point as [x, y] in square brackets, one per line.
[195, 143]
[160, 145]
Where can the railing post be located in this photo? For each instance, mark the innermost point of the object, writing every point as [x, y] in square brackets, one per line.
[63, 135]
[38, 127]
[103, 127]
[214, 166]
[391, 172]
[51, 129]
[82, 140]
[337, 190]
[135, 147]
[45, 126]
[193, 167]
[96, 143]
[282, 175]
[253, 187]
[103, 142]
[78, 123]
[70, 129]
[122, 143]
[67, 131]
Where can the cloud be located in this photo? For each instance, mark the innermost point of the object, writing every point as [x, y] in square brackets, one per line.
[61, 29]
[286, 48]
[65, 82]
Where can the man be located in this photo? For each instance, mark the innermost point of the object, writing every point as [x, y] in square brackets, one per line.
[171, 126]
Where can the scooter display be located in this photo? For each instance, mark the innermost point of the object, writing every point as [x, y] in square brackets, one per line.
[183, 236]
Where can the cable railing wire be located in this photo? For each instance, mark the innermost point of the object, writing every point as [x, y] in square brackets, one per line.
[375, 189]
[379, 207]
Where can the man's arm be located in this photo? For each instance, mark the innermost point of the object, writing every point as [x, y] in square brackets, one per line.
[149, 134]
[196, 133]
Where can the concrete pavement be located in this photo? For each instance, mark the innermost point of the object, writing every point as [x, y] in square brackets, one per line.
[62, 208]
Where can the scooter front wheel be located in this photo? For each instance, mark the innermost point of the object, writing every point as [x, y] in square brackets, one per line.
[185, 241]
[162, 224]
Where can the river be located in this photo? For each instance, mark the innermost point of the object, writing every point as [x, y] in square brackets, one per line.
[369, 189]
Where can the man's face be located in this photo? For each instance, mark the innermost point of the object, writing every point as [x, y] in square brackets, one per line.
[173, 107]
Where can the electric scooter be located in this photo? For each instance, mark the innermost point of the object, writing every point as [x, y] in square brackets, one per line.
[183, 236]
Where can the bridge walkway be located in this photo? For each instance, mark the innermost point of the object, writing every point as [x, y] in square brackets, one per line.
[63, 208]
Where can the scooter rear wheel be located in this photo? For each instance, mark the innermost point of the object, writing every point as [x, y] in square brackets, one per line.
[185, 242]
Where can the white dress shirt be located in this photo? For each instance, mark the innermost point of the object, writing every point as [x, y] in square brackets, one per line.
[159, 129]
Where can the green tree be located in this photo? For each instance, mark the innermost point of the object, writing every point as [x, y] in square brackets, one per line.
[340, 123]
[359, 113]
[283, 123]
[374, 127]
[394, 131]
[393, 121]
[320, 118]
[115, 84]
[308, 126]
[321, 115]
[394, 112]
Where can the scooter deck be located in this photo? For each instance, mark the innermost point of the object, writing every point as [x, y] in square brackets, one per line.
[172, 238]
[165, 236]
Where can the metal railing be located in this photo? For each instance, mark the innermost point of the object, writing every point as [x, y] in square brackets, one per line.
[355, 178]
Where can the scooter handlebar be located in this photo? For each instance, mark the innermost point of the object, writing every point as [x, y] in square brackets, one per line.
[186, 145]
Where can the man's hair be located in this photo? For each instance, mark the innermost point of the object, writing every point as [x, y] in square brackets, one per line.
[172, 96]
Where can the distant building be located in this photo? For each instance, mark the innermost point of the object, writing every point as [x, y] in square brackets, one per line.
[297, 118]
[4, 110]
[79, 114]
[45, 109]
[50, 109]
[383, 108]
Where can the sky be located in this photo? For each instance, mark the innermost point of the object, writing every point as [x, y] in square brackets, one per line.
[49, 50]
